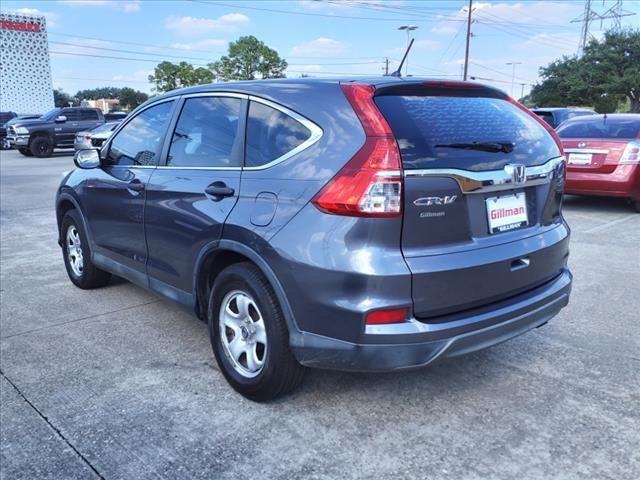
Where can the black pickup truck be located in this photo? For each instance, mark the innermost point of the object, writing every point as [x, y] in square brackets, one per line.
[55, 129]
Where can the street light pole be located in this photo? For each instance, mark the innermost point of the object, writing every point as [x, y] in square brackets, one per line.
[513, 73]
[408, 29]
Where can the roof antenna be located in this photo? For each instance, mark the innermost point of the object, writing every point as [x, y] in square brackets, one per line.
[398, 72]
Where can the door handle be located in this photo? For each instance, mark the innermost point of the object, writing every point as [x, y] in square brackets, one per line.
[136, 185]
[219, 190]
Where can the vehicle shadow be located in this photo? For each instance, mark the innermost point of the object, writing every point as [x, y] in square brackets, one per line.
[579, 203]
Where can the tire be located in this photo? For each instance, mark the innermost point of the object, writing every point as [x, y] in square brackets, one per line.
[635, 204]
[83, 273]
[26, 152]
[41, 147]
[265, 368]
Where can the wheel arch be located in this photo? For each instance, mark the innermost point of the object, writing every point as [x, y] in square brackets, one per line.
[216, 256]
[65, 203]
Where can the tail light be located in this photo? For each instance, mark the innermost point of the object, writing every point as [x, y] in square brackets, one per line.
[631, 154]
[370, 184]
[380, 317]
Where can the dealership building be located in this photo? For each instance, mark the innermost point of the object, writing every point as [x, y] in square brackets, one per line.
[25, 73]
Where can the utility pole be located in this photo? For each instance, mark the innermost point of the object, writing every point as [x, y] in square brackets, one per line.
[386, 66]
[466, 51]
[408, 29]
[513, 73]
[522, 91]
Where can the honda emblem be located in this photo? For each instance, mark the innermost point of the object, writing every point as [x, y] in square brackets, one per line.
[518, 173]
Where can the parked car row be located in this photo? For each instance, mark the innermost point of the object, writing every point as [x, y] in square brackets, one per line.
[41, 135]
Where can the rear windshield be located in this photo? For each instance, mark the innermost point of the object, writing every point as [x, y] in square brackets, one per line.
[601, 127]
[546, 116]
[452, 132]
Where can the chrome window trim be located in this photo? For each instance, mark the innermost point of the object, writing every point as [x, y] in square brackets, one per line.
[491, 181]
[586, 150]
[316, 133]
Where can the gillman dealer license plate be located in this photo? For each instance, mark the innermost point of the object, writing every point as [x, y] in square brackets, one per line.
[507, 212]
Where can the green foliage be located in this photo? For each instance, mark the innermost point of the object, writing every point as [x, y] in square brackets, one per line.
[605, 76]
[61, 98]
[248, 59]
[168, 76]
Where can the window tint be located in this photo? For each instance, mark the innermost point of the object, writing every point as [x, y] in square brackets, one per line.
[139, 140]
[72, 114]
[89, 115]
[439, 131]
[600, 127]
[206, 133]
[546, 116]
[270, 134]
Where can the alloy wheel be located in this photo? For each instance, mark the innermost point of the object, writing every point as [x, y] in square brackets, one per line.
[74, 250]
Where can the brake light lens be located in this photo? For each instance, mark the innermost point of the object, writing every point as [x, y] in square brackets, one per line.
[380, 317]
[370, 184]
[631, 154]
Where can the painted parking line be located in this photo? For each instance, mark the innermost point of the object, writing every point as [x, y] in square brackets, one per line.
[604, 226]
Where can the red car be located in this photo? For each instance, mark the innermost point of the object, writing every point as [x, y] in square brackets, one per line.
[603, 155]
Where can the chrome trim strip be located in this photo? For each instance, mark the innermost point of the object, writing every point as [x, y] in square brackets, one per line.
[586, 150]
[169, 167]
[494, 180]
[216, 94]
[316, 133]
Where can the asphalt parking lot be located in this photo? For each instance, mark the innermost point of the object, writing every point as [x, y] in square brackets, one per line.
[118, 383]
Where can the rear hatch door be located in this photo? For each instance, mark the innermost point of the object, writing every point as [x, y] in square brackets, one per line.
[480, 183]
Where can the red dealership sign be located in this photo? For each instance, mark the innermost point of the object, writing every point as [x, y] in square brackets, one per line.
[20, 26]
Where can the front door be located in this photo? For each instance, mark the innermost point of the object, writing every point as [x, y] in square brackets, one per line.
[191, 195]
[114, 199]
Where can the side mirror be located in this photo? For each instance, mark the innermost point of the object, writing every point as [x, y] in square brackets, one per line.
[87, 158]
[61, 119]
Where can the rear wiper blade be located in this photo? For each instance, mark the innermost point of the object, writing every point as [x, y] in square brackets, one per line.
[494, 147]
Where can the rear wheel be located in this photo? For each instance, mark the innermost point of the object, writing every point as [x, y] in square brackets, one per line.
[26, 152]
[77, 255]
[41, 147]
[249, 335]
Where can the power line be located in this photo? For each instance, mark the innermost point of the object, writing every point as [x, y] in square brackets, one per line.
[326, 15]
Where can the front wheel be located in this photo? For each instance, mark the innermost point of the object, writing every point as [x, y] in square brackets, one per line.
[26, 152]
[77, 255]
[249, 335]
[41, 147]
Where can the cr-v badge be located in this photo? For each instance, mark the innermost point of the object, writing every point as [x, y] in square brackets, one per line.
[428, 201]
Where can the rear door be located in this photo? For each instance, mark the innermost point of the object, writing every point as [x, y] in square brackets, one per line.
[89, 119]
[65, 132]
[479, 185]
[190, 196]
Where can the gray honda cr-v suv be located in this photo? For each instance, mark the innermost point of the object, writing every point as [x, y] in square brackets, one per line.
[371, 225]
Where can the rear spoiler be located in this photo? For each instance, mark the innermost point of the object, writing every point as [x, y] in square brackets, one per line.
[440, 88]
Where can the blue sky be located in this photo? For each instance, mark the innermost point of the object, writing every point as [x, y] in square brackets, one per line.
[320, 38]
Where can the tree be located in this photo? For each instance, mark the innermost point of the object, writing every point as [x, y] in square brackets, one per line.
[130, 98]
[607, 74]
[168, 76]
[248, 59]
[61, 98]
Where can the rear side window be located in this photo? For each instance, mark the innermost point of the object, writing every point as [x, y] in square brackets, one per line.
[601, 127]
[271, 134]
[89, 115]
[207, 133]
[440, 132]
[72, 114]
[139, 140]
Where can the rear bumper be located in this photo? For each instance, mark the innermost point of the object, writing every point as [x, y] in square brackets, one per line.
[624, 181]
[444, 340]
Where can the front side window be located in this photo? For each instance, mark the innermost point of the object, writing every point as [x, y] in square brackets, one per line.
[271, 134]
[139, 141]
[206, 134]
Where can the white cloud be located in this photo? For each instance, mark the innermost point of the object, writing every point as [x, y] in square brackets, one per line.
[128, 6]
[137, 76]
[201, 44]
[321, 46]
[445, 28]
[197, 26]
[52, 18]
